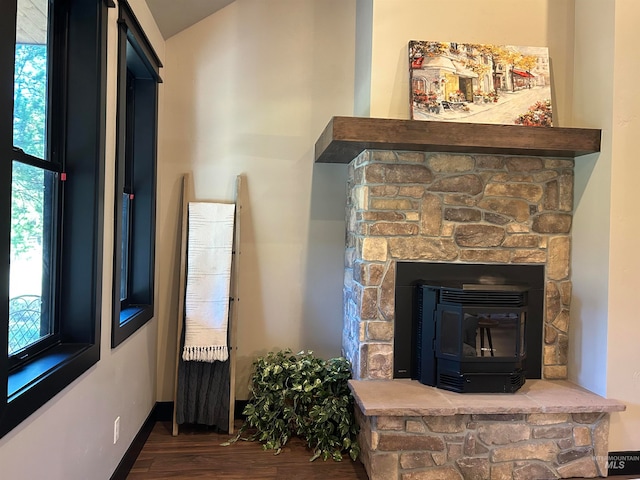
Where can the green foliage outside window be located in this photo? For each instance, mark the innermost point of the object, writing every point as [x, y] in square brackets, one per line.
[29, 134]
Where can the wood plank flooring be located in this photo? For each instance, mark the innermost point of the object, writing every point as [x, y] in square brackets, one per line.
[197, 454]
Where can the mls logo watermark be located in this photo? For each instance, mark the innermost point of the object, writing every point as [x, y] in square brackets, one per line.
[627, 461]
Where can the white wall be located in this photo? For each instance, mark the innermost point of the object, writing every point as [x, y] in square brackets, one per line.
[71, 437]
[505, 22]
[606, 260]
[248, 91]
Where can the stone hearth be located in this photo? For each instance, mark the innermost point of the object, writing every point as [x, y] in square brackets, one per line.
[546, 430]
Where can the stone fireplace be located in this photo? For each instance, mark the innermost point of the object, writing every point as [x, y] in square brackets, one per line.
[452, 208]
[432, 193]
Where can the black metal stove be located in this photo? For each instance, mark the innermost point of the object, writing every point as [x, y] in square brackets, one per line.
[468, 327]
[471, 338]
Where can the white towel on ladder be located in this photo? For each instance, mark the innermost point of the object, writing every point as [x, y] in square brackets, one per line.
[209, 252]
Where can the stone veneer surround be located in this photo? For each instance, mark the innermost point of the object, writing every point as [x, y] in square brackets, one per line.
[437, 207]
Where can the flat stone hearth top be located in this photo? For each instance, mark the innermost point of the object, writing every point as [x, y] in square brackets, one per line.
[401, 397]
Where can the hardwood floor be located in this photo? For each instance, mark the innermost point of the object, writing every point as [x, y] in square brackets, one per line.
[197, 454]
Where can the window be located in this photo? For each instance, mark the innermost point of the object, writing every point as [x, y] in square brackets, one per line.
[52, 124]
[134, 243]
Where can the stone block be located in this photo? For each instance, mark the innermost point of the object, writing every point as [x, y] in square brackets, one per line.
[412, 216]
[552, 302]
[467, 184]
[430, 215]
[413, 191]
[360, 197]
[489, 162]
[489, 255]
[462, 214]
[566, 191]
[513, 208]
[550, 355]
[380, 331]
[391, 204]
[503, 433]
[550, 334]
[554, 372]
[391, 229]
[553, 431]
[383, 156]
[574, 454]
[373, 173]
[582, 468]
[379, 360]
[454, 451]
[369, 303]
[374, 249]
[413, 460]
[407, 173]
[526, 191]
[450, 163]
[383, 466]
[479, 235]
[389, 423]
[383, 190]
[495, 218]
[436, 473]
[552, 223]
[585, 418]
[528, 256]
[543, 451]
[387, 297]
[410, 157]
[415, 426]
[530, 471]
[561, 321]
[474, 468]
[390, 442]
[502, 471]
[422, 248]
[521, 241]
[559, 258]
[601, 444]
[448, 424]
[524, 164]
[378, 216]
[551, 197]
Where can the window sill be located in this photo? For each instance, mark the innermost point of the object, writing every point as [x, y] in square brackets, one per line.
[46, 364]
[34, 384]
[129, 321]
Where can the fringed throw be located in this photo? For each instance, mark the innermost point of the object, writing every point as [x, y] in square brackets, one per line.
[208, 281]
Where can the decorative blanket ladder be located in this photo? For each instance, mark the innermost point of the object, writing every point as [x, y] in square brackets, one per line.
[203, 318]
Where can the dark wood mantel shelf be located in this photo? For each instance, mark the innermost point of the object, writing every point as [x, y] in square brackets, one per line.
[344, 138]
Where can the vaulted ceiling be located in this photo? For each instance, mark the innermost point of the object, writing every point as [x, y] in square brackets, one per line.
[173, 16]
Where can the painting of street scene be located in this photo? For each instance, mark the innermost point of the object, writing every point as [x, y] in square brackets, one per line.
[480, 83]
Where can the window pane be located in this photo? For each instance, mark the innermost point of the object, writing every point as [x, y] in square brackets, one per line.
[124, 264]
[32, 229]
[30, 80]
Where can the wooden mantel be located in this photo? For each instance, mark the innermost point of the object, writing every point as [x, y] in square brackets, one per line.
[344, 138]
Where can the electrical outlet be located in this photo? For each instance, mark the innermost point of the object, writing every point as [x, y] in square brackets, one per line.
[116, 430]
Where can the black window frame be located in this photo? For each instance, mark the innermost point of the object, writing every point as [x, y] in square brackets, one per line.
[79, 110]
[136, 175]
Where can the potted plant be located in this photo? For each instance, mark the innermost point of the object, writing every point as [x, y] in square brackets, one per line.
[302, 395]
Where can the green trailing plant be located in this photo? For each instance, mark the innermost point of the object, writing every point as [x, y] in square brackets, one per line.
[305, 396]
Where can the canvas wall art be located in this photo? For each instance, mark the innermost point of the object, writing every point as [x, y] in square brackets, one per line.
[480, 83]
